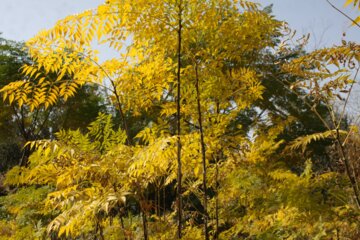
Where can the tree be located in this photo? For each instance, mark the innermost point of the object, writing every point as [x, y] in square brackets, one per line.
[18, 125]
[187, 74]
[331, 74]
[11, 59]
[138, 87]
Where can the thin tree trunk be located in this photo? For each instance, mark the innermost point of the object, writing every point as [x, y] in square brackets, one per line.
[122, 115]
[158, 205]
[120, 215]
[101, 232]
[203, 153]
[144, 220]
[216, 198]
[123, 227]
[164, 202]
[349, 170]
[143, 208]
[98, 229]
[178, 117]
[217, 158]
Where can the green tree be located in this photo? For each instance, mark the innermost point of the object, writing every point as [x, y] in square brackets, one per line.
[18, 125]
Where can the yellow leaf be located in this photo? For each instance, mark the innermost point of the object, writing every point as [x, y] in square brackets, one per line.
[348, 2]
[357, 20]
[4, 96]
[20, 102]
[61, 231]
[11, 98]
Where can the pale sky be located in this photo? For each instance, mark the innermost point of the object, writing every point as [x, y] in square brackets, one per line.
[22, 19]
[318, 18]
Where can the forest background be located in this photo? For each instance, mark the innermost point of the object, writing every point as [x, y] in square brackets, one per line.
[208, 120]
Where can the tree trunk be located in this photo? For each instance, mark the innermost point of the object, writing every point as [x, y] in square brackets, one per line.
[178, 117]
[203, 153]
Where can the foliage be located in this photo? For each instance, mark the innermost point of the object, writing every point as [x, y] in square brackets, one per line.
[19, 125]
[118, 181]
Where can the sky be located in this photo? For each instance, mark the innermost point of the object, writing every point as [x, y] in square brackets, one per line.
[325, 25]
[22, 19]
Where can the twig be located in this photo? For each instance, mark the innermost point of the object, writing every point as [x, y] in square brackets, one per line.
[344, 14]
